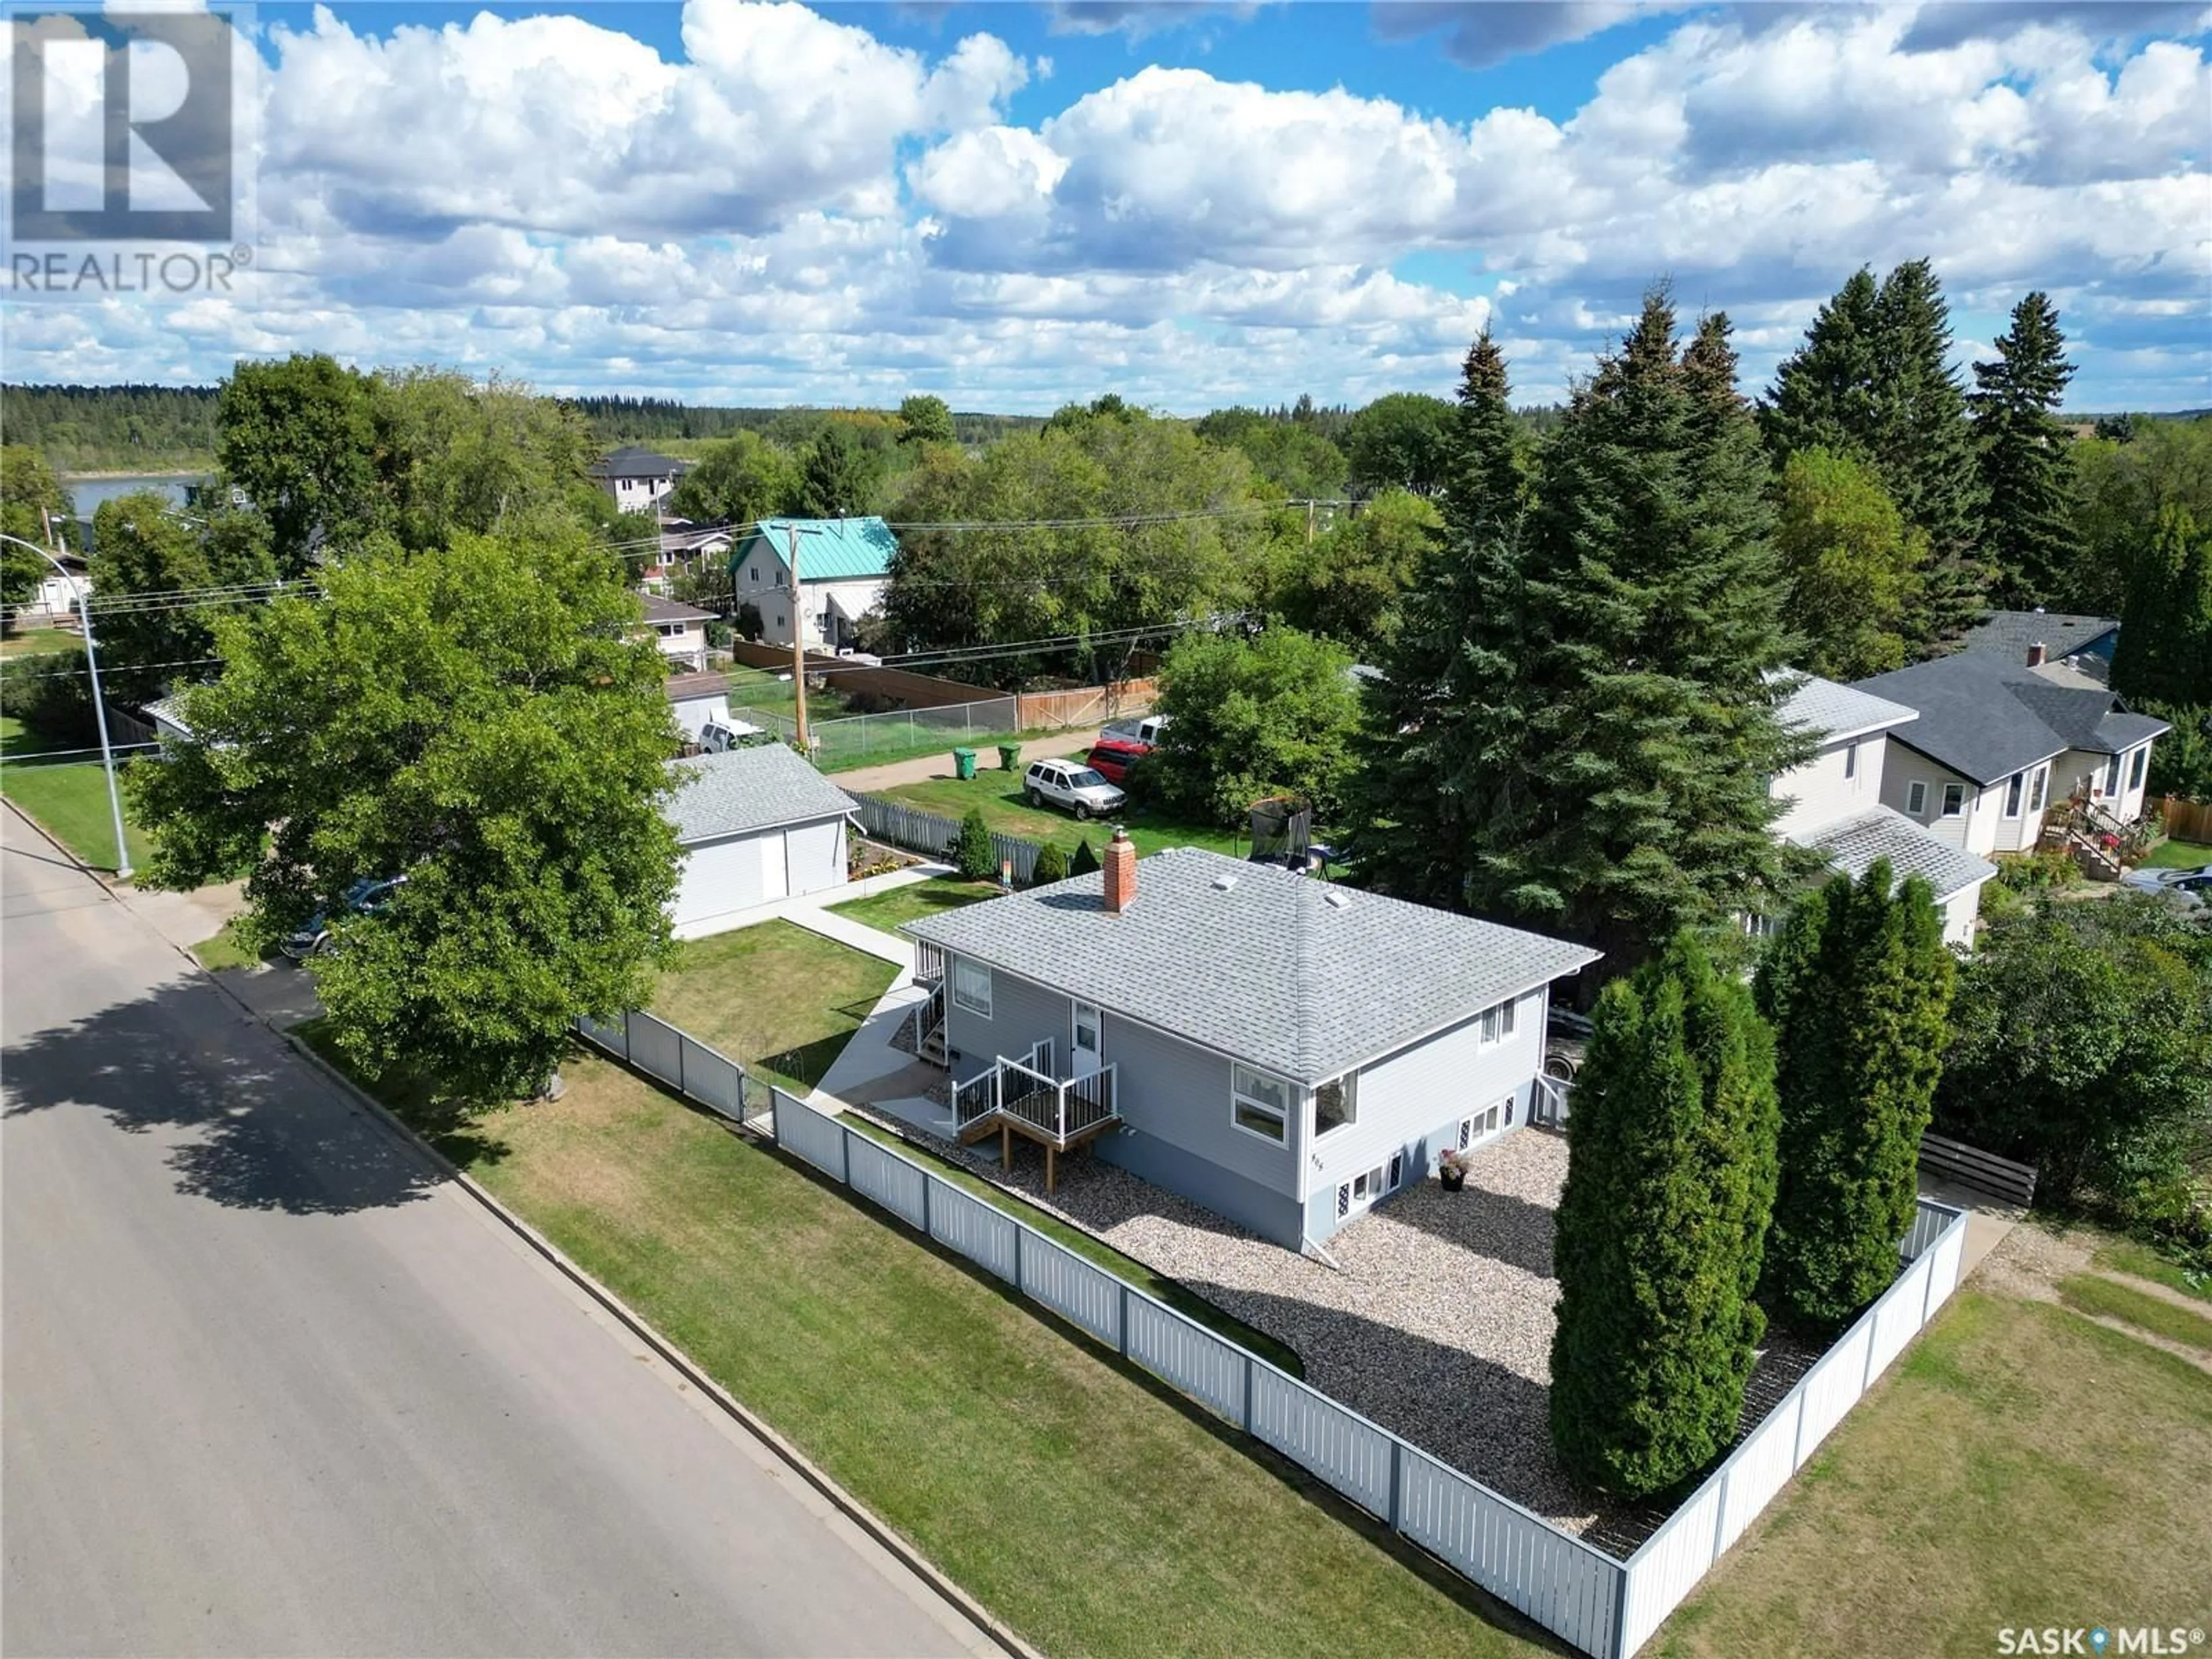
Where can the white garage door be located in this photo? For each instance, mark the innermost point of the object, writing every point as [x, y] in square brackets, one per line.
[774, 867]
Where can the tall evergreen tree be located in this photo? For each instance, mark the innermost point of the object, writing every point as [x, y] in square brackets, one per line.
[1858, 988]
[1619, 790]
[2029, 517]
[1826, 394]
[1925, 449]
[2164, 652]
[1446, 701]
[1662, 1226]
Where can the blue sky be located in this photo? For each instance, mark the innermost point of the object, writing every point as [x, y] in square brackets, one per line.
[1017, 205]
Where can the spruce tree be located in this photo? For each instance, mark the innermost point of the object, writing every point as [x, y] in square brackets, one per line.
[1085, 862]
[1826, 394]
[1661, 1226]
[1447, 697]
[1858, 987]
[2164, 653]
[1621, 785]
[2029, 531]
[1925, 449]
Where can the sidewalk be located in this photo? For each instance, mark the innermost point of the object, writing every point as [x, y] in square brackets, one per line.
[1075, 741]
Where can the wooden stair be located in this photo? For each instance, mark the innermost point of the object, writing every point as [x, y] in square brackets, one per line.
[932, 1048]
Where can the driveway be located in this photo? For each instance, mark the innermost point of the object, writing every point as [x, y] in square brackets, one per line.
[275, 1386]
[1076, 740]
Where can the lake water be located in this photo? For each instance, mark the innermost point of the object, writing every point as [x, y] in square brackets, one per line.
[88, 493]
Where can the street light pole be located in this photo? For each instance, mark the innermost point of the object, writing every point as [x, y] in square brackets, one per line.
[99, 703]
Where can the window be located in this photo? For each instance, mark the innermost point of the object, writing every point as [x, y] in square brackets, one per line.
[1916, 797]
[779, 619]
[2015, 787]
[1954, 800]
[1336, 1104]
[1495, 1024]
[1260, 1104]
[2135, 767]
[1850, 760]
[1364, 1188]
[1487, 1122]
[2036, 796]
[2113, 776]
[752, 574]
[971, 986]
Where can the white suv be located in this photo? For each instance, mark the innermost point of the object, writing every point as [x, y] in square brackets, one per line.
[1070, 784]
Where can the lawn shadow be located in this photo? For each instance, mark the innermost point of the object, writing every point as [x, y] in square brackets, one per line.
[809, 1062]
[247, 1123]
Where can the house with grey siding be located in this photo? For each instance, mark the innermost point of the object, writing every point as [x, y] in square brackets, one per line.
[1286, 1052]
[754, 825]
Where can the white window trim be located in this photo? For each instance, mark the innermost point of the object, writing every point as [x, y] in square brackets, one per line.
[2111, 777]
[2138, 765]
[1496, 1024]
[1351, 1083]
[1261, 1108]
[1851, 759]
[1948, 810]
[982, 1010]
[1916, 797]
[2015, 793]
[2039, 795]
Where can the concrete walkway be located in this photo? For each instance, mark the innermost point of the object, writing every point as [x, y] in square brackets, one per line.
[1075, 740]
[1987, 1219]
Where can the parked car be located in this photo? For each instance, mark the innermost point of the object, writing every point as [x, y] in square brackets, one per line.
[716, 738]
[1070, 784]
[2189, 888]
[366, 897]
[1122, 744]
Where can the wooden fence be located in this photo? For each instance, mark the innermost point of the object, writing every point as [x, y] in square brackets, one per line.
[895, 822]
[1985, 1172]
[2187, 820]
[1086, 705]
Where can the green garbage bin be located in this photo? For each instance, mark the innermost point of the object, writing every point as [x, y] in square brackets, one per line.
[1009, 757]
[963, 764]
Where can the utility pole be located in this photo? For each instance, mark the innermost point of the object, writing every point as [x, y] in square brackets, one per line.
[99, 703]
[798, 642]
[1310, 506]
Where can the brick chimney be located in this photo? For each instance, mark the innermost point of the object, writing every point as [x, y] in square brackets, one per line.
[1120, 872]
[2035, 654]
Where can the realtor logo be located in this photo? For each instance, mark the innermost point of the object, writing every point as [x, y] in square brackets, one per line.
[123, 131]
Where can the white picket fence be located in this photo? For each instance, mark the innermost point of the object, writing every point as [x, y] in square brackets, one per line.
[1605, 1606]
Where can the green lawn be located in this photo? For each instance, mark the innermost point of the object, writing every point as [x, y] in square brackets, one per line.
[778, 1000]
[35, 642]
[2178, 856]
[2095, 1294]
[1000, 794]
[2022, 1467]
[224, 951]
[2125, 1256]
[916, 900]
[1093, 1509]
[70, 804]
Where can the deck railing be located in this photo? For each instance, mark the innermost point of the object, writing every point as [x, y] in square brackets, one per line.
[1062, 1108]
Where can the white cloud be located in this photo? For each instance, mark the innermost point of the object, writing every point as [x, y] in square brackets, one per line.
[800, 210]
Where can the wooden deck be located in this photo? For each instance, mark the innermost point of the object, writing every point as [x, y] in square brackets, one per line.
[1038, 1116]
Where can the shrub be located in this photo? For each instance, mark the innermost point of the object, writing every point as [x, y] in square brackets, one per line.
[2035, 873]
[1661, 1225]
[1085, 861]
[977, 859]
[748, 621]
[1051, 867]
[51, 694]
[1859, 987]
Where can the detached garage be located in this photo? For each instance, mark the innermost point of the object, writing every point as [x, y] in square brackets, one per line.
[756, 825]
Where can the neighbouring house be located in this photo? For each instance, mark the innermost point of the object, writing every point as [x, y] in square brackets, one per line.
[2084, 644]
[844, 565]
[168, 725]
[1284, 1051]
[682, 630]
[639, 479]
[684, 547]
[756, 825]
[698, 700]
[2006, 757]
[1833, 802]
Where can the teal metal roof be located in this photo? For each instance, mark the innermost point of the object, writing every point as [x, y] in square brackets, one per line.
[830, 550]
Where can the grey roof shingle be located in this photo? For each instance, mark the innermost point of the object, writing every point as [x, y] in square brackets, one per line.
[1852, 845]
[635, 461]
[1292, 974]
[744, 789]
[1838, 711]
[658, 609]
[2007, 634]
[1985, 718]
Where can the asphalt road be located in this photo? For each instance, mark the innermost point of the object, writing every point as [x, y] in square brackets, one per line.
[270, 1385]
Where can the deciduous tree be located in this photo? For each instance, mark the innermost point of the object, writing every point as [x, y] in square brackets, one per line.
[1251, 718]
[737, 480]
[141, 545]
[479, 719]
[1401, 441]
[924, 419]
[1662, 1226]
[2164, 653]
[299, 437]
[1852, 563]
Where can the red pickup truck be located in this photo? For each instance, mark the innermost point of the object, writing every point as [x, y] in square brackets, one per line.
[1122, 745]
